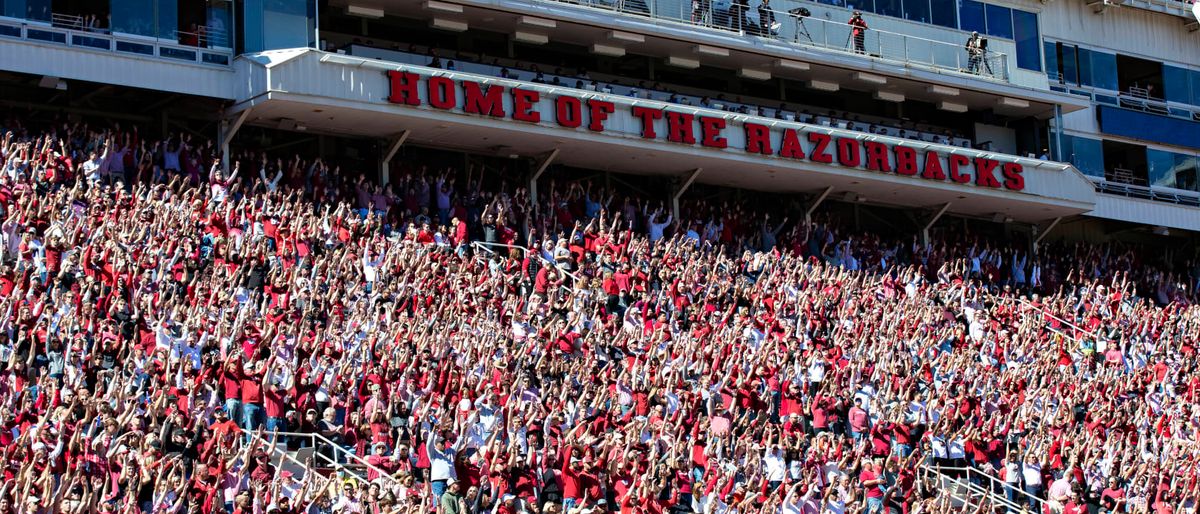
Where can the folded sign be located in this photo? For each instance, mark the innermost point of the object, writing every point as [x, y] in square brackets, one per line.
[793, 141]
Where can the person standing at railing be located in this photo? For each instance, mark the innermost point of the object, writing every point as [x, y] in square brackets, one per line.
[858, 32]
[974, 52]
[766, 19]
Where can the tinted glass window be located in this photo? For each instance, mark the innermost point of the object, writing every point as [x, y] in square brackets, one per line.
[916, 10]
[1104, 70]
[970, 16]
[999, 21]
[1070, 68]
[1051, 51]
[1025, 31]
[944, 13]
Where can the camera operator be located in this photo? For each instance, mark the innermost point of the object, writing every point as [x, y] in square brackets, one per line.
[974, 52]
[766, 18]
[859, 32]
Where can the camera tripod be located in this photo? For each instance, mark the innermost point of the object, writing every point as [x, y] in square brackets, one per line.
[801, 30]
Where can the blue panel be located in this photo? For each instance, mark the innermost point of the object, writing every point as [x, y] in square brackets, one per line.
[917, 10]
[214, 58]
[134, 17]
[999, 21]
[177, 53]
[10, 31]
[46, 35]
[1106, 99]
[1070, 67]
[1149, 127]
[1195, 87]
[91, 42]
[1085, 66]
[1029, 46]
[135, 48]
[1161, 167]
[1052, 61]
[1104, 70]
[970, 16]
[1176, 84]
[888, 8]
[1087, 155]
[944, 13]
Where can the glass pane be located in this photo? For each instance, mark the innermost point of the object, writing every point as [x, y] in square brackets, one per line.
[1070, 68]
[252, 26]
[218, 15]
[1052, 70]
[1195, 87]
[888, 8]
[168, 19]
[999, 21]
[133, 17]
[38, 10]
[1161, 166]
[1025, 29]
[1085, 66]
[916, 10]
[944, 13]
[1104, 70]
[970, 16]
[861, 5]
[287, 24]
[1175, 84]
[1088, 156]
[1187, 169]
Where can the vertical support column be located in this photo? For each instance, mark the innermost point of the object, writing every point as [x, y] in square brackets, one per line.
[929, 225]
[389, 151]
[812, 207]
[1058, 149]
[533, 197]
[1038, 240]
[226, 131]
[680, 190]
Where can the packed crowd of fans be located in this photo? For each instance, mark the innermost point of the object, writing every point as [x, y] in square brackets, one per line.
[167, 322]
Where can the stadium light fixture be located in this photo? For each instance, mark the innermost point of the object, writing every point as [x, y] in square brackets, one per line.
[364, 12]
[609, 50]
[822, 85]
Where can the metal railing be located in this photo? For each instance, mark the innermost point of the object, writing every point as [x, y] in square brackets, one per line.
[811, 32]
[325, 454]
[488, 247]
[64, 34]
[968, 487]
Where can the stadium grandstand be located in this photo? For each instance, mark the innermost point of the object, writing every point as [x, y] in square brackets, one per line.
[599, 256]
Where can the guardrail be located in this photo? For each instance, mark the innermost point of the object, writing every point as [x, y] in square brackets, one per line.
[1145, 193]
[322, 449]
[117, 43]
[972, 485]
[811, 32]
[488, 247]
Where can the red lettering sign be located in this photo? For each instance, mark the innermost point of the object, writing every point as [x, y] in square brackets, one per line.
[488, 100]
[568, 111]
[600, 109]
[790, 145]
[758, 138]
[1012, 176]
[647, 116]
[848, 154]
[680, 129]
[820, 151]
[442, 93]
[877, 156]
[523, 101]
[710, 132]
[906, 161]
[956, 162]
[478, 101]
[404, 87]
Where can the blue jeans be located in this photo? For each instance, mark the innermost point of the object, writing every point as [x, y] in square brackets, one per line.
[1035, 491]
[874, 504]
[438, 488]
[277, 425]
[252, 416]
[233, 409]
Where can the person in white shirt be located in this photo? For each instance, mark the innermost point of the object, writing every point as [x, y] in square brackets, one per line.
[1031, 472]
[441, 462]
